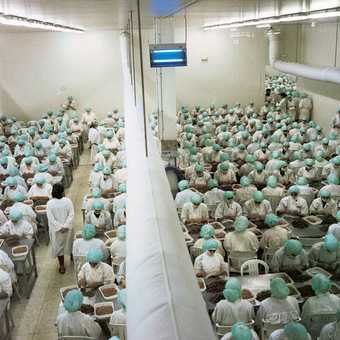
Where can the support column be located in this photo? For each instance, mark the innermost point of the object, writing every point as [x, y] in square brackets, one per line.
[167, 90]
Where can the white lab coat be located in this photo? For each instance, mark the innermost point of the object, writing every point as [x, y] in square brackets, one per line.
[213, 196]
[290, 205]
[78, 324]
[118, 317]
[102, 273]
[7, 265]
[211, 265]
[60, 214]
[241, 241]
[199, 214]
[228, 210]
[118, 248]
[104, 221]
[9, 194]
[82, 246]
[119, 202]
[5, 283]
[43, 191]
[22, 229]
[183, 197]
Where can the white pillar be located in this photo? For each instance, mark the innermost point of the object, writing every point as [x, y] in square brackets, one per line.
[167, 89]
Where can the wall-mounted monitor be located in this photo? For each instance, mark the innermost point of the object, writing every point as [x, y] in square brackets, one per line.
[168, 55]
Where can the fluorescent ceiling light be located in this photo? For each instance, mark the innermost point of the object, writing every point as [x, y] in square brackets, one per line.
[263, 26]
[324, 15]
[13, 20]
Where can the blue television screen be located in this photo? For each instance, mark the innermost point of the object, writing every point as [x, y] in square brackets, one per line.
[169, 55]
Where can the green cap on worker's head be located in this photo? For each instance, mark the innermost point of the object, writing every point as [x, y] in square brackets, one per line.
[309, 162]
[295, 331]
[227, 195]
[89, 231]
[224, 166]
[333, 179]
[279, 288]
[331, 243]
[107, 171]
[11, 181]
[324, 193]
[271, 220]
[240, 331]
[122, 187]
[293, 247]
[207, 231]
[302, 181]
[212, 183]
[19, 197]
[52, 157]
[73, 301]
[15, 214]
[196, 199]
[39, 179]
[321, 284]
[231, 294]
[96, 192]
[94, 255]
[258, 196]
[294, 189]
[199, 168]
[216, 147]
[43, 167]
[98, 205]
[182, 185]
[210, 244]
[98, 167]
[245, 181]
[259, 166]
[336, 160]
[241, 223]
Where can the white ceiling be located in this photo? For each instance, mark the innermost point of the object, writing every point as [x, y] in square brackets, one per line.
[113, 14]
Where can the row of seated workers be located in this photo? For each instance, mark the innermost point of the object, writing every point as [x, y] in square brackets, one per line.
[258, 201]
[36, 163]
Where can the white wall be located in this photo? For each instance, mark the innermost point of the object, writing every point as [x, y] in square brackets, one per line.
[40, 69]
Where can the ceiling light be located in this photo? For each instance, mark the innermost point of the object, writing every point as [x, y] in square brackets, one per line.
[293, 18]
[324, 15]
[264, 26]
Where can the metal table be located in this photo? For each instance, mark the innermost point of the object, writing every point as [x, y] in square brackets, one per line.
[27, 278]
[5, 327]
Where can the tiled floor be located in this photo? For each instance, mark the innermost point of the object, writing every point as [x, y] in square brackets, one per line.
[34, 317]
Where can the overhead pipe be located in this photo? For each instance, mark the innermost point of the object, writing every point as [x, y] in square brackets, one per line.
[328, 74]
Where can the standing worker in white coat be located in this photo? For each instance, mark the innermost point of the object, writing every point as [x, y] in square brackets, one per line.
[60, 214]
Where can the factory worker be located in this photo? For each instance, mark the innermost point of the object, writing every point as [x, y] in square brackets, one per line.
[257, 208]
[16, 226]
[240, 331]
[119, 201]
[248, 167]
[210, 263]
[3, 166]
[264, 110]
[258, 176]
[332, 167]
[107, 159]
[323, 302]
[14, 172]
[96, 175]
[309, 171]
[38, 150]
[81, 246]
[208, 233]
[118, 246]
[293, 204]
[7, 265]
[95, 273]
[27, 168]
[88, 118]
[214, 195]
[334, 229]
[55, 166]
[6, 289]
[200, 178]
[184, 195]
[262, 154]
[19, 149]
[322, 165]
[72, 322]
[232, 308]
[99, 217]
[75, 125]
[292, 330]
[118, 317]
[195, 211]
[107, 182]
[65, 150]
[60, 215]
[184, 157]
[324, 205]
[279, 303]
[240, 154]
[216, 154]
[207, 151]
[94, 139]
[225, 175]
[28, 212]
[333, 186]
[241, 239]
[276, 236]
[12, 188]
[331, 331]
[120, 176]
[272, 188]
[43, 171]
[120, 217]
[325, 254]
[228, 208]
[297, 162]
[245, 192]
[284, 175]
[96, 196]
[273, 163]
[290, 258]
[111, 142]
[40, 188]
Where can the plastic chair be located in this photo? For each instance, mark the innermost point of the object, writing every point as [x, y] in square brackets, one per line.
[237, 258]
[252, 266]
[120, 329]
[318, 321]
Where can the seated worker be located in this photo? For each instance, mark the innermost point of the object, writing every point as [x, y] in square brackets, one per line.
[274, 237]
[246, 191]
[325, 254]
[225, 175]
[73, 322]
[118, 317]
[324, 205]
[322, 302]
[240, 331]
[208, 233]
[40, 188]
[257, 208]
[290, 258]
[17, 226]
[118, 246]
[214, 195]
[195, 211]
[232, 308]
[293, 204]
[241, 239]
[12, 188]
[210, 263]
[99, 217]
[184, 195]
[258, 176]
[278, 303]
[228, 209]
[200, 178]
[292, 330]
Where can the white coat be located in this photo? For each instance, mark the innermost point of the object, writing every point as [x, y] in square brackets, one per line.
[118, 248]
[211, 265]
[82, 246]
[43, 191]
[60, 214]
[22, 229]
[102, 273]
[241, 241]
[5, 283]
[183, 197]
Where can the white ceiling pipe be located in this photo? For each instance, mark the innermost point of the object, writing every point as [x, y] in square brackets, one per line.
[328, 74]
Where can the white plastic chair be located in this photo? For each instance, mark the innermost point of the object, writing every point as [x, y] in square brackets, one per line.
[252, 267]
[120, 329]
[237, 258]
